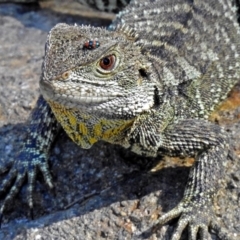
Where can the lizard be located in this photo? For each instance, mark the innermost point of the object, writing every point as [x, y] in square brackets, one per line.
[107, 6]
[148, 83]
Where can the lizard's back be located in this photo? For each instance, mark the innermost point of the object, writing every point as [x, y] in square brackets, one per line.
[194, 46]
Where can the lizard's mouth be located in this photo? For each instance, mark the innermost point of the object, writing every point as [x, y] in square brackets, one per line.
[103, 99]
[82, 95]
[46, 89]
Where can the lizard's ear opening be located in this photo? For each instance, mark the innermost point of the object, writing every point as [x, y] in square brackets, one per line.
[143, 72]
[157, 98]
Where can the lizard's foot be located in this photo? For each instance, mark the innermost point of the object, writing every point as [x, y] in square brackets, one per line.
[198, 218]
[26, 166]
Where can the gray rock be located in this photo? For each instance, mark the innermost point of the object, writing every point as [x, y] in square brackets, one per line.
[18, 1]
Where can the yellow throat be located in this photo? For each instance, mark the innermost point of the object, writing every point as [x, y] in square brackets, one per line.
[85, 129]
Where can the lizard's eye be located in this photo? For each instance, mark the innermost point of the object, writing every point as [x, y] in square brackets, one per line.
[108, 62]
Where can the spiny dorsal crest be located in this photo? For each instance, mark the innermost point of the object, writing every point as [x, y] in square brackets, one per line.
[128, 31]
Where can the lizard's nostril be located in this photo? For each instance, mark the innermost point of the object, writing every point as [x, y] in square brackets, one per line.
[62, 77]
[65, 75]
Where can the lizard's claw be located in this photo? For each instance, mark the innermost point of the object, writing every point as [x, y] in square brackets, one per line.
[198, 218]
[26, 166]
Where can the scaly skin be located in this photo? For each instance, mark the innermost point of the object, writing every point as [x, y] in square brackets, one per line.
[149, 86]
[107, 6]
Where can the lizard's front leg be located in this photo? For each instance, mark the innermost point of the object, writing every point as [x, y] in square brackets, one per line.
[41, 131]
[210, 146]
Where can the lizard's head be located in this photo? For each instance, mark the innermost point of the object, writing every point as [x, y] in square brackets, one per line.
[99, 71]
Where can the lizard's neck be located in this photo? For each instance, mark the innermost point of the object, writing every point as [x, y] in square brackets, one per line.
[85, 129]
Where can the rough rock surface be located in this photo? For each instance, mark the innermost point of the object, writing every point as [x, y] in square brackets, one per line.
[116, 195]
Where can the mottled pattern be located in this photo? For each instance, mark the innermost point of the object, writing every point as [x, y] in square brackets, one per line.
[41, 132]
[106, 5]
[150, 87]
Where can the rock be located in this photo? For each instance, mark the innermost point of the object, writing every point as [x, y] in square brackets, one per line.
[18, 1]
